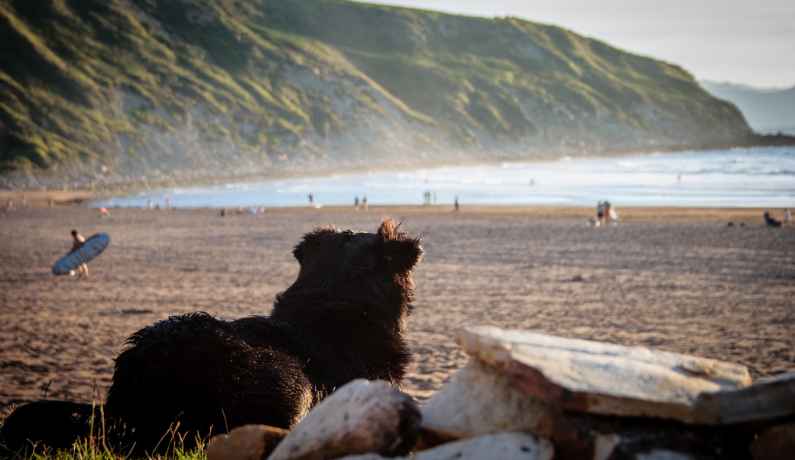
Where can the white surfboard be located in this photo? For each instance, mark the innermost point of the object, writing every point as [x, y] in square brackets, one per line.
[93, 247]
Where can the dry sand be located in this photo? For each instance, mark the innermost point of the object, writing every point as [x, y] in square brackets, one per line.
[678, 279]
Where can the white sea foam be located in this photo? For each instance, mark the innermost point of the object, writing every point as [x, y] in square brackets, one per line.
[763, 177]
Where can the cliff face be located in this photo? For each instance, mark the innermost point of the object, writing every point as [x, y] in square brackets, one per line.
[118, 90]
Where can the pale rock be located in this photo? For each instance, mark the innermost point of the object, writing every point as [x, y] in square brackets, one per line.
[479, 401]
[504, 446]
[359, 417]
[249, 442]
[605, 445]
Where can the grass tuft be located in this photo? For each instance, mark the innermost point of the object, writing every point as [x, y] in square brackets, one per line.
[96, 446]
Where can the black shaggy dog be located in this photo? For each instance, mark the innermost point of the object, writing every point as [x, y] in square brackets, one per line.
[342, 319]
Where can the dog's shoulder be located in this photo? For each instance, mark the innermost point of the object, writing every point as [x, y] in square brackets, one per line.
[263, 331]
[179, 326]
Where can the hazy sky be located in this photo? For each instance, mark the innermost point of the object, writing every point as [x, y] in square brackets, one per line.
[746, 41]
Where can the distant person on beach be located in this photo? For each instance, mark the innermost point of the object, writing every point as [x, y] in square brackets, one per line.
[600, 213]
[77, 242]
[456, 205]
[787, 216]
[356, 203]
[364, 202]
[311, 199]
[771, 221]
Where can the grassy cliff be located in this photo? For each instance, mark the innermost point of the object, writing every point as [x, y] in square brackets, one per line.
[103, 91]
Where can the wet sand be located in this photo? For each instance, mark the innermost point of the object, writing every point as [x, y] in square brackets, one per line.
[677, 279]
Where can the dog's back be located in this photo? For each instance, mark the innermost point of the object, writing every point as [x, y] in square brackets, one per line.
[192, 374]
[57, 422]
[204, 374]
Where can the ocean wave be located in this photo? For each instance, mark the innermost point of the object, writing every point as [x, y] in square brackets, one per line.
[739, 172]
[732, 177]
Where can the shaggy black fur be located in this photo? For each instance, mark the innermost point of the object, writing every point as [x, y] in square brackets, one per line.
[343, 318]
[57, 422]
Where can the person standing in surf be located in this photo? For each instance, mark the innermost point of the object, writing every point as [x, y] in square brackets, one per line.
[77, 242]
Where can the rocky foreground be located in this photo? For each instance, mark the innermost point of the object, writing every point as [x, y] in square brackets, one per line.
[537, 397]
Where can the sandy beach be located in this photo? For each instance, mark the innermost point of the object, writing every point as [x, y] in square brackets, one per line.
[675, 278]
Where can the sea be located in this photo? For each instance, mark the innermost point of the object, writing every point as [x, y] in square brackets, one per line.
[737, 177]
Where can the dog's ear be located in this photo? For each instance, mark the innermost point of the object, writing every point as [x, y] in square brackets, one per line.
[388, 230]
[311, 240]
[402, 255]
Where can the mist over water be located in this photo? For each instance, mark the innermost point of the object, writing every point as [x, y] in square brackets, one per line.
[748, 177]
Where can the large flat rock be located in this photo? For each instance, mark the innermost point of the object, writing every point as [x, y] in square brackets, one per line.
[480, 400]
[601, 378]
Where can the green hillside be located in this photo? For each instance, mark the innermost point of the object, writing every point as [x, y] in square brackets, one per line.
[108, 91]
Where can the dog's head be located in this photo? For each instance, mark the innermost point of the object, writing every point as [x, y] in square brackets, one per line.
[353, 294]
[348, 264]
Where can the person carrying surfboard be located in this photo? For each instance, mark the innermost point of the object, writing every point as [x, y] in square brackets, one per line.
[83, 250]
[77, 242]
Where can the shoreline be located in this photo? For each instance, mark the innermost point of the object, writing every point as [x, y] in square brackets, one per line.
[60, 199]
[98, 191]
[627, 214]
